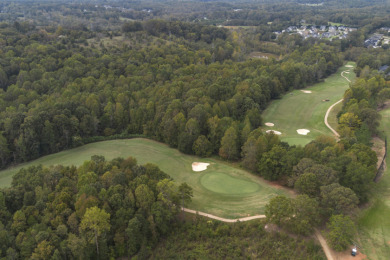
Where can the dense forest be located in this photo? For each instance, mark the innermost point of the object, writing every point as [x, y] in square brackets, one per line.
[75, 73]
[100, 210]
[58, 92]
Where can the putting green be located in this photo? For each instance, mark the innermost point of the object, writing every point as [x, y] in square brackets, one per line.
[221, 190]
[299, 110]
[225, 184]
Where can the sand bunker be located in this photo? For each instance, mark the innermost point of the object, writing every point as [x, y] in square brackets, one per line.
[275, 132]
[349, 66]
[198, 166]
[269, 124]
[346, 72]
[303, 131]
[306, 91]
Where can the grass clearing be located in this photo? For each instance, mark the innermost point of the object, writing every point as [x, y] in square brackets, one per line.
[374, 222]
[262, 55]
[222, 190]
[299, 110]
[336, 24]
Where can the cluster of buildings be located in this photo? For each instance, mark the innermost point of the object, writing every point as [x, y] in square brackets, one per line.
[373, 41]
[321, 32]
[377, 40]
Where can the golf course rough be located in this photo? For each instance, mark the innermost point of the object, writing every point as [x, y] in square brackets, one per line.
[305, 109]
[221, 189]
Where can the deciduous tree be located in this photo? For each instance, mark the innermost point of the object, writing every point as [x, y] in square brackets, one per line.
[95, 223]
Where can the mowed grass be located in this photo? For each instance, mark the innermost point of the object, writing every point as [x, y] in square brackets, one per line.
[374, 222]
[222, 189]
[299, 110]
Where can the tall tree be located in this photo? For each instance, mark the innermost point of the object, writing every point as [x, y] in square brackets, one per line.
[229, 144]
[341, 230]
[95, 223]
[185, 194]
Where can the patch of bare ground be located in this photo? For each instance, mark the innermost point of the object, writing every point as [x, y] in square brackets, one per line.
[346, 255]
[378, 146]
[272, 228]
[384, 106]
[281, 187]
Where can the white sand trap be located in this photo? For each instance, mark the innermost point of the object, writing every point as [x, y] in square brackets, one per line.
[269, 124]
[349, 66]
[303, 131]
[275, 132]
[306, 91]
[198, 166]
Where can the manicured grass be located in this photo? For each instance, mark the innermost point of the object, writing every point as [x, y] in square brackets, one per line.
[374, 222]
[336, 24]
[332, 119]
[222, 189]
[298, 110]
[223, 183]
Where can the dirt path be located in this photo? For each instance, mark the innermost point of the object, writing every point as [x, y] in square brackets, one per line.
[222, 219]
[324, 245]
[342, 75]
[331, 107]
[320, 238]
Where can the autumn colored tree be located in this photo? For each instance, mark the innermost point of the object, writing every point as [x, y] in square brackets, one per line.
[95, 223]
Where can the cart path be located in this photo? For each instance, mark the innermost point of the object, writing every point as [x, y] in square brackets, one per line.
[320, 238]
[324, 245]
[331, 107]
[222, 219]
[326, 118]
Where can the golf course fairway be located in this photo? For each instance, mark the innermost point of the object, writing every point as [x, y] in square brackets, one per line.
[221, 189]
[305, 109]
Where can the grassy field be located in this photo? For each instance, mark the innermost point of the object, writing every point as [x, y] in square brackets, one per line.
[374, 223]
[299, 110]
[262, 55]
[222, 189]
[336, 24]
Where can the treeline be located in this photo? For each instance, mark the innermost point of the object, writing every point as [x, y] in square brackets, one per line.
[58, 93]
[101, 210]
[359, 118]
[308, 169]
[200, 238]
[332, 180]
